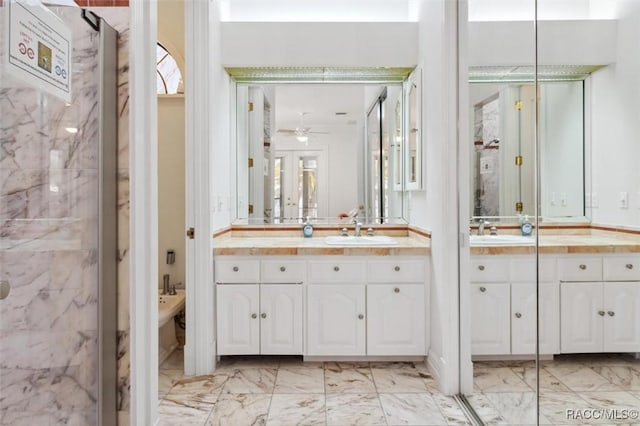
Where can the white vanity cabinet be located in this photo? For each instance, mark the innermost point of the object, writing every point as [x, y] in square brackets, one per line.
[600, 304]
[503, 306]
[369, 306]
[259, 316]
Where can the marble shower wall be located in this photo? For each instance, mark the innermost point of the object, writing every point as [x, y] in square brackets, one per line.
[49, 244]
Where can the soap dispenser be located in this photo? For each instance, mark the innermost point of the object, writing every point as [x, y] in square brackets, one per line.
[307, 229]
[526, 228]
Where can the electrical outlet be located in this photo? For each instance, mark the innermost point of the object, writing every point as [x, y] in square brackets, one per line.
[563, 199]
[624, 200]
[594, 200]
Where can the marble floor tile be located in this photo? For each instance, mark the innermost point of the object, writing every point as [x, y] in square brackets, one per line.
[554, 406]
[626, 376]
[450, 410]
[240, 409]
[518, 408]
[354, 409]
[421, 366]
[504, 364]
[205, 389]
[175, 361]
[345, 365]
[300, 380]
[485, 410]
[611, 400]
[411, 409]
[251, 380]
[548, 382]
[636, 394]
[298, 362]
[183, 412]
[166, 379]
[400, 380]
[580, 378]
[291, 410]
[351, 380]
[499, 379]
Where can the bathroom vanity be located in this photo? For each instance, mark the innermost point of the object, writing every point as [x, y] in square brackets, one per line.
[295, 296]
[589, 297]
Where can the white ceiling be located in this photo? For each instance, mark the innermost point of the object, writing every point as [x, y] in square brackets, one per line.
[320, 101]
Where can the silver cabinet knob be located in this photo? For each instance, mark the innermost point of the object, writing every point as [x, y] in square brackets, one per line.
[611, 313]
[583, 267]
[601, 313]
[518, 315]
[360, 316]
[481, 267]
[282, 269]
[5, 289]
[263, 315]
[483, 289]
[629, 266]
[236, 269]
[397, 268]
[396, 290]
[254, 316]
[336, 268]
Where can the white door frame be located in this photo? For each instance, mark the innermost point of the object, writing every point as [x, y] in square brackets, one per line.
[143, 219]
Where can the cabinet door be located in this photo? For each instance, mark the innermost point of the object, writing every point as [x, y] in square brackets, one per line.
[523, 318]
[395, 319]
[490, 328]
[336, 319]
[238, 324]
[281, 319]
[581, 317]
[622, 317]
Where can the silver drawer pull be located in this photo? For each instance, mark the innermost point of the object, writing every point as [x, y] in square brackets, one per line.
[282, 269]
[336, 268]
[629, 266]
[611, 313]
[360, 316]
[254, 316]
[481, 267]
[518, 315]
[396, 290]
[601, 313]
[483, 289]
[236, 269]
[263, 315]
[397, 268]
[583, 267]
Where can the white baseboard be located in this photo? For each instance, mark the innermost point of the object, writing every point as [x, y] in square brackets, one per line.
[363, 358]
[436, 367]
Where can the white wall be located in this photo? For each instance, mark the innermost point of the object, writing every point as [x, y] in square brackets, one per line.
[435, 208]
[319, 44]
[615, 108]
[171, 187]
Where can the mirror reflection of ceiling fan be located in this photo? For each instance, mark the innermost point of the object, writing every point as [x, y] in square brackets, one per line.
[301, 132]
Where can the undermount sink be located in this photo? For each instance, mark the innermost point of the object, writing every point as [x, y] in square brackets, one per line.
[500, 239]
[338, 240]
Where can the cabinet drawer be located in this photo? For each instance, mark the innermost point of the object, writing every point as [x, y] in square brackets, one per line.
[489, 270]
[580, 269]
[237, 271]
[283, 271]
[396, 271]
[625, 268]
[337, 271]
[524, 270]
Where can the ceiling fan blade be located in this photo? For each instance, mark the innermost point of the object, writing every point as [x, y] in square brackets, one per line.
[292, 131]
[318, 133]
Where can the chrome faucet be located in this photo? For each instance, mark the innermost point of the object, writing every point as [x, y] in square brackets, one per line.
[357, 225]
[165, 284]
[481, 225]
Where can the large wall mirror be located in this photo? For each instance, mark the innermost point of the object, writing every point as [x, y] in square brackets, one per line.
[503, 154]
[321, 152]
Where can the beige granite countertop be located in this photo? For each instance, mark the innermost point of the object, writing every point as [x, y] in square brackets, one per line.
[596, 242]
[292, 246]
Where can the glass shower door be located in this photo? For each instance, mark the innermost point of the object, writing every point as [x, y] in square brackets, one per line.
[49, 242]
